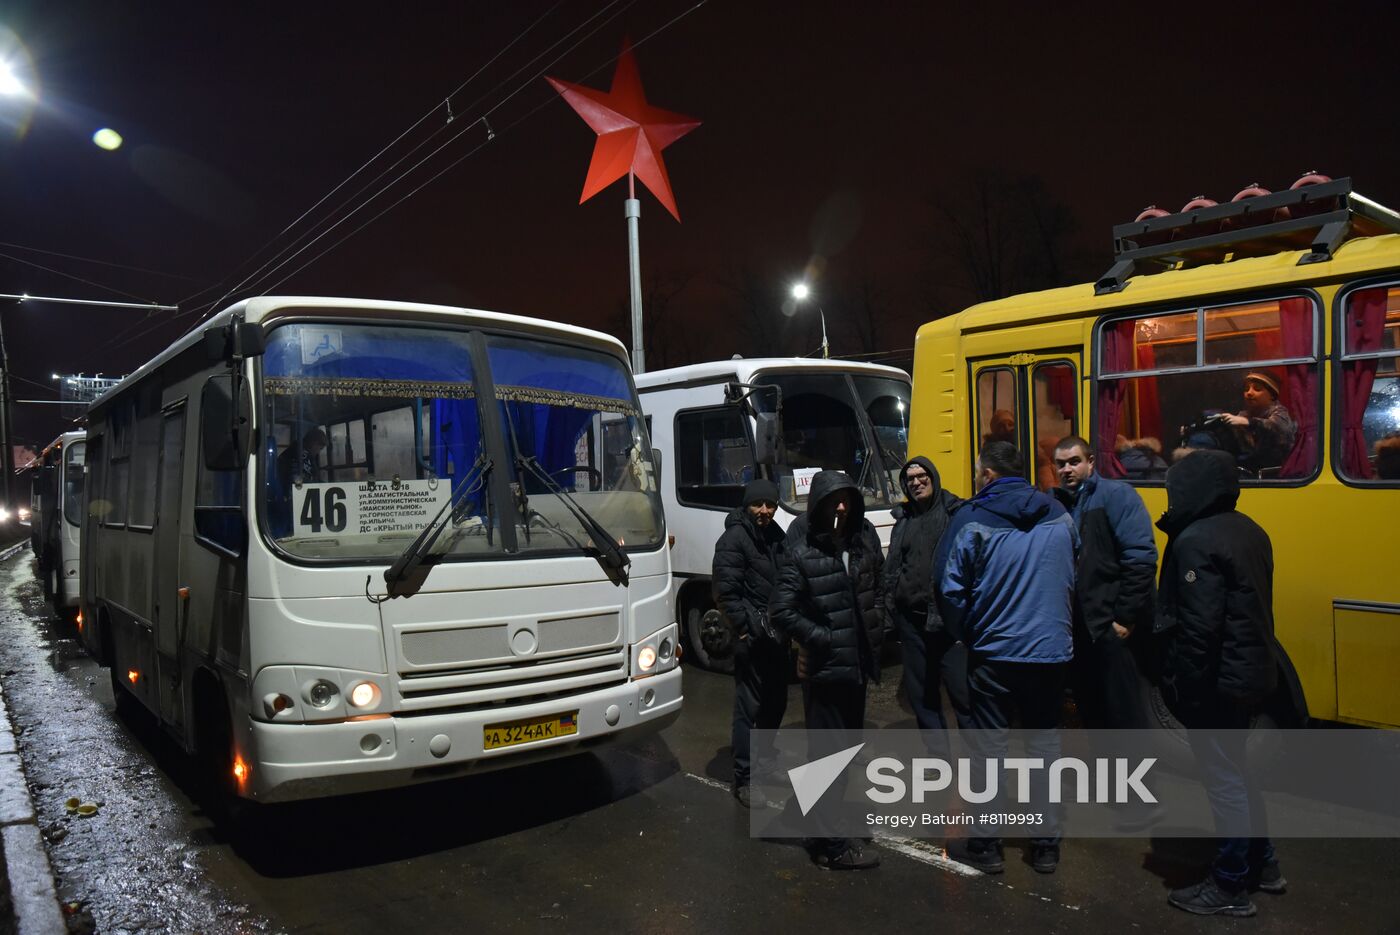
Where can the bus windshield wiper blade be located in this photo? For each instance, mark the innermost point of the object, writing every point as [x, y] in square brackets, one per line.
[605, 548]
[417, 550]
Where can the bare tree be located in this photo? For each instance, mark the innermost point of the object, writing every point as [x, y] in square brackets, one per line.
[667, 338]
[1000, 235]
[757, 305]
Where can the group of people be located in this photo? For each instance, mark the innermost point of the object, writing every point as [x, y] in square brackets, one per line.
[1001, 600]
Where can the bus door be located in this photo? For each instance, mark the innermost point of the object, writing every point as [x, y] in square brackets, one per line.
[1030, 400]
[169, 607]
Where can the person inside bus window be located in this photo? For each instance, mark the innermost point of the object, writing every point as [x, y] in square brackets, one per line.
[1265, 429]
[1388, 457]
[299, 467]
[1002, 428]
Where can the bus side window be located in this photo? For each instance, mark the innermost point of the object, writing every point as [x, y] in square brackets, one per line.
[998, 411]
[1241, 378]
[1056, 404]
[1369, 388]
[712, 457]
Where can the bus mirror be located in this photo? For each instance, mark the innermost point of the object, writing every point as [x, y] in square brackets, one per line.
[224, 428]
[234, 342]
[766, 433]
[250, 340]
[656, 460]
[216, 344]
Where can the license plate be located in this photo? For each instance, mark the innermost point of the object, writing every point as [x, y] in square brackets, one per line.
[510, 733]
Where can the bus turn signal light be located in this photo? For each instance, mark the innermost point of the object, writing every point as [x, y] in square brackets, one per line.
[132, 675]
[240, 770]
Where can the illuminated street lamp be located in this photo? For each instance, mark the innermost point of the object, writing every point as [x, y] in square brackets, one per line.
[800, 293]
[10, 85]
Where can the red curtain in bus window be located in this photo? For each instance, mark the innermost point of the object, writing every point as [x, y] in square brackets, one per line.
[1364, 325]
[1149, 406]
[1059, 389]
[1117, 356]
[1296, 327]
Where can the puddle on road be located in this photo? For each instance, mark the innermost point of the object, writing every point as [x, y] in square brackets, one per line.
[140, 864]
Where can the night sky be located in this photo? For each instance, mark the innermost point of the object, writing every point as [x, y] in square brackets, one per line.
[839, 138]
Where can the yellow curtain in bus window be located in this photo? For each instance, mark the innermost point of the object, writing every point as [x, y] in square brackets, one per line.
[364, 508]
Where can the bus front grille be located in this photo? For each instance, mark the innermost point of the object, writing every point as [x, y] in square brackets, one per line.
[512, 683]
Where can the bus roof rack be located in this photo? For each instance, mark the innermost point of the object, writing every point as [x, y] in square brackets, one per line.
[1313, 217]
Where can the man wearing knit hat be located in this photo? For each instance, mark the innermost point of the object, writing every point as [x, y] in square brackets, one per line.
[1265, 428]
[745, 569]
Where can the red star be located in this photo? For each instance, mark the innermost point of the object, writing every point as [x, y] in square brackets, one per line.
[631, 133]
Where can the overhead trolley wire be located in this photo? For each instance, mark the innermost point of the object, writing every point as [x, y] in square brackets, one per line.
[471, 152]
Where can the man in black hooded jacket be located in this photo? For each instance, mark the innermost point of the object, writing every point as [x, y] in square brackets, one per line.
[931, 657]
[745, 568]
[829, 600]
[1215, 613]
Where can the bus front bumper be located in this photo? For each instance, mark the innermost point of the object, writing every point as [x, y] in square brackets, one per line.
[287, 762]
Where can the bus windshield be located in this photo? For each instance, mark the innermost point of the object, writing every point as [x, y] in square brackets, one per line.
[840, 422]
[371, 430]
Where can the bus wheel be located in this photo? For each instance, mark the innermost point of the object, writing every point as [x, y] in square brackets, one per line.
[1170, 744]
[214, 753]
[53, 590]
[700, 632]
[123, 702]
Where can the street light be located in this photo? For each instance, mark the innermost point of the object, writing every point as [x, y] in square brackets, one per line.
[10, 85]
[800, 293]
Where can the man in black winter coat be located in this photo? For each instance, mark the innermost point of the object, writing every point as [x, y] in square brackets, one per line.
[829, 600]
[1114, 587]
[1215, 612]
[745, 569]
[931, 657]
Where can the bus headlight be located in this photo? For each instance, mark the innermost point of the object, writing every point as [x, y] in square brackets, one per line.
[655, 654]
[321, 693]
[365, 695]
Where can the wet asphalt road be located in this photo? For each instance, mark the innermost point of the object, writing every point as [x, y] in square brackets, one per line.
[629, 839]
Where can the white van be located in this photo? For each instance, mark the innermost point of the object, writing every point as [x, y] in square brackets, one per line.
[721, 424]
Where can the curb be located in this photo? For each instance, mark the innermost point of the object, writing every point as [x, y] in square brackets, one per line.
[26, 859]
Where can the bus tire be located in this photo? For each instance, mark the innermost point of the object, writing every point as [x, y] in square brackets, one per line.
[693, 608]
[123, 702]
[1173, 751]
[214, 753]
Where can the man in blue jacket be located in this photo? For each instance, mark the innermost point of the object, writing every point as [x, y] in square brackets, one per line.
[1006, 587]
[1115, 587]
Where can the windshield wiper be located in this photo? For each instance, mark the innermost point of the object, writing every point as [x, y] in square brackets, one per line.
[417, 550]
[605, 548]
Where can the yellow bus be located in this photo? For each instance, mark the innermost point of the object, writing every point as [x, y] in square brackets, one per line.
[1300, 287]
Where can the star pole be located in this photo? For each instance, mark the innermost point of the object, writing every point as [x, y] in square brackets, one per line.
[632, 207]
[631, 136]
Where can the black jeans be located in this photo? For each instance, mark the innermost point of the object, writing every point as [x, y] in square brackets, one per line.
[1104, 677]
[999, 690]
[760, 696]
[931, 661]
[831, 708]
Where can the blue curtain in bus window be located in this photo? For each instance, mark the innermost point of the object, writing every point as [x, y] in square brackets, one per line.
[365, 353]
[550, 394]
[454, 440]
